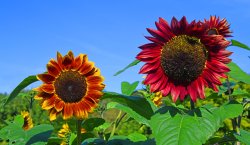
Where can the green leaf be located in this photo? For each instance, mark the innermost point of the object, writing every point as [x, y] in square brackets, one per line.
[128, 110]
[39, 133]
[135, 62]
[91, 123]
[127, 88]
[27, 81]
[139, 104]
[237, 92]
[72, 138]
[13, 132]
[244, 137]
[54, 140]
[239, 44]
[19, 120]
[135, 137]
[238, 74]
[173, 127]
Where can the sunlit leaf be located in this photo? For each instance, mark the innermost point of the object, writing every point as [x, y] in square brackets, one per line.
[135, 62]
[127, 88]
[182, 129]
[244, 136]
[139, 104]
[135, 137]
[27, 81]
[239, 44]
[238, 74]
[128, 110]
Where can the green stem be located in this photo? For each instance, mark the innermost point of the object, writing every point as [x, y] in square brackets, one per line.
[235, 124]
[115, 123]
[78, 128]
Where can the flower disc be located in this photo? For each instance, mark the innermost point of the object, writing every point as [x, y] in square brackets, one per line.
[183, 59]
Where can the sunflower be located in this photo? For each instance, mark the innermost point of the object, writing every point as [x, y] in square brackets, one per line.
[217, 26]
[157, 99]
[28, 123]
[184, 58]
[72, 86]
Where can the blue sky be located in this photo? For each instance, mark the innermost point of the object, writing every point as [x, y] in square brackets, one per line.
[31, 32]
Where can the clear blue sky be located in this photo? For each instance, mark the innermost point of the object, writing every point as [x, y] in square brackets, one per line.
[109, 31]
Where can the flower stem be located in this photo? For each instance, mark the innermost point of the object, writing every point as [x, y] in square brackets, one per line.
[192, 104]
[235, 122]
[78, 128]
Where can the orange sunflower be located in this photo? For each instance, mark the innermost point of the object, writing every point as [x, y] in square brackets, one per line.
[184, 58]
[72, 86]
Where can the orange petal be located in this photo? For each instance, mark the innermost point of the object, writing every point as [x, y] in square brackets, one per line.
[95, 94]
[59, 104]
[52, 61]
[78, 61]
[49, 103]
[85, 108]
[59, 60]
[96, 87]
[52, 115]
[67, 111]
[87, 67]
[47, 88]
[46, 78]
[42, 95]
[67, 61]
[52, 69]
[95, 79]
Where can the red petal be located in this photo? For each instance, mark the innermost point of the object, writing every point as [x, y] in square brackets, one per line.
[148, 67]
[46, 78]
[192, 92]
[175, 92]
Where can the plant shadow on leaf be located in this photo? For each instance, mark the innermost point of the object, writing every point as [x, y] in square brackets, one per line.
[172, 110]
[41, 137]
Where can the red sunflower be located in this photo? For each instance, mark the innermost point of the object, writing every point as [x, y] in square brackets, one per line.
[217, 26]
[183, 59]
[72, 86]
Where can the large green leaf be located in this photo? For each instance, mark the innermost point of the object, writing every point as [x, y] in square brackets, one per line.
[135, 137]
[139, 104]
[135, 62]
[127, 88]
[128, 110]
[196, 128]
[244, 137]
[27, 81]
[238, 74]
[239, 44]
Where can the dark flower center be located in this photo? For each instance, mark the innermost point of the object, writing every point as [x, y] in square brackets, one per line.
[183, 59]
[70, 86]
[212, 31]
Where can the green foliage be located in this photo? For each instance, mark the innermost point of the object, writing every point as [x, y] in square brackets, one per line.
[133, 102]
[238, 73]
[244, 137]
[239, 44]
[92, 123]
[172, 127]
[135, 62]
[27, 81]
[15, 133]
[127, 88]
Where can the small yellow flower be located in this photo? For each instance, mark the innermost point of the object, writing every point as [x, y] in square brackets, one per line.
[62, 133]
[28, 124]
[157, 99]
